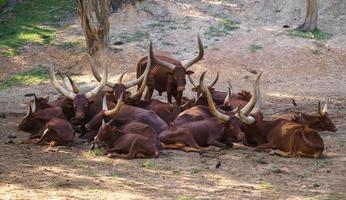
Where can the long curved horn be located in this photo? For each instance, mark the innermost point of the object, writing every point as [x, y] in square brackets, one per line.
[95, 73]
[116, 108]
[73, 84]
[104, 103]
[57, 86]
[211, 104]
[102, 83]
[214, 81]
[120, 79]
[146, 73]
[29, 111]
[323, 111]
[192, 81]
[199, 56]
[245, 119]
[228, 97]
[257, 108]
[161, 62]
[66, 82]
[249, 106]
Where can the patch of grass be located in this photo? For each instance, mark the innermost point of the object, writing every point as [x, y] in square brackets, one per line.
[92, 172]
[167, 43]
[95, 152]
[138, 36]
[265, 185]
[317, 34]
[31, 22]
[320, 163]
[32, 77]
[255, 47]
[155, 24]
[186, 198]
[70, 44]
[114, 175]
[148, 164]
[316, 51]
[224, 27]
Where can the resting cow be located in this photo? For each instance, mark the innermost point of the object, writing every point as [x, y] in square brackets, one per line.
[320, 122]
[168, 74]
[134, 140]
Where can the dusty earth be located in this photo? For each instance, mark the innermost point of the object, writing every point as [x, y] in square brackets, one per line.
[303, 69]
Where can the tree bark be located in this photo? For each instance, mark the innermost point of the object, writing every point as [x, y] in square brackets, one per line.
[311, 19]
[94, 19]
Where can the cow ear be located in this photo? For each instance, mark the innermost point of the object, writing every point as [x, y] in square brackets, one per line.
[188, 72]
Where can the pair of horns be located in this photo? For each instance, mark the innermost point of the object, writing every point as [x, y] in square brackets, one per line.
[189, 63]
[31, 109]
[209, 86]
[68, 82]
[72, 95]
[324, 111]
[254, 104]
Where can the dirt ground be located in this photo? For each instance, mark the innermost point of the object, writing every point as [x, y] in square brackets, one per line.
[303, 69]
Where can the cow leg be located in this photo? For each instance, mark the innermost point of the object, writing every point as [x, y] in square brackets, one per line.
[191, 149]
[217, 144]
[265, 147]
[282, 153]
[184, 137]
[149, 94]
[46, 137]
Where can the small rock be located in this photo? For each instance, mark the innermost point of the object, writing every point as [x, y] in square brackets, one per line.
[246, 77]
[286, 26]
[9, 142]
[2, 115]
[118, 43]
[253, 71]
[277, 171]
[218, 165]
[315, 185]
[11, 136]
[263, 162]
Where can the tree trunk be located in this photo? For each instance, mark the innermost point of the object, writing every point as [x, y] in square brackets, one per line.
[311, 19]
[95, 30]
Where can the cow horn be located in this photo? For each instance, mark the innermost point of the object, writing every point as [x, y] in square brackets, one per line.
[163, 63]
[104, 103]
[323, 111]
[192, 81]
[75, 88]
[214, 81]
[228, 97]
[66, 83]
[145, 73]
[211, 104]
[249, 106]
[120, 79]
[245, 119]
[95, 73]
[57, 86]
[103, 82]
[257, 108]
[116, 108]
[29, 111]
[199, 56]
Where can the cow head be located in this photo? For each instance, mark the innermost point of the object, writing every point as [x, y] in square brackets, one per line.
[179, 71]
[197, 88]
[40, 102]
[105, 135]
[119, 87]
[323, 122]
[80, 101]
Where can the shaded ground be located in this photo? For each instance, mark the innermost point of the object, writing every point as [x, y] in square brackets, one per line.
[305, 70]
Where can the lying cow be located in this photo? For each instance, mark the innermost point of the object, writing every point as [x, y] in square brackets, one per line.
[57, 132]
[320, 122]
[134, 140]
[168, 74]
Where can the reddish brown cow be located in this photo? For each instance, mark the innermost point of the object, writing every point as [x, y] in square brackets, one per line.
[34, 120]
[57, 132]
[289, 138]
[168, 74]
[134, 140]
[196, 127]
[320, 122]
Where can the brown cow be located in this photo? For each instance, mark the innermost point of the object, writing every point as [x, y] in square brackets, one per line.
[320, 122]
[135, 140]
[289, 138]
[34, 120]
[196, 128]
[168, 74]
[80, 101]
[58, 132]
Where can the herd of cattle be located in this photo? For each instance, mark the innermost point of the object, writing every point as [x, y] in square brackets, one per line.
[128, 127]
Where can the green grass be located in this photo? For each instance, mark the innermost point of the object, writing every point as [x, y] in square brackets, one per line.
[32, 77]
[224, 27]
[155, 24]
[30, 22]
[265, 186]
[317, 34]
[138, 36]
[148, 164]
[255, 47]
[95, 152]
